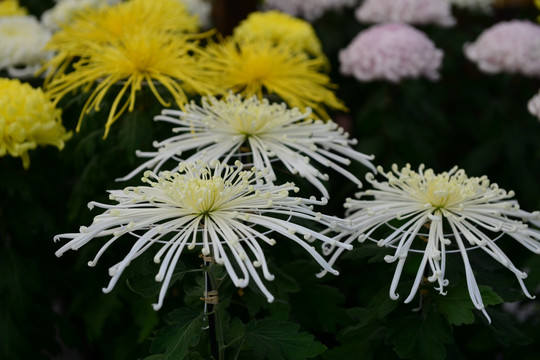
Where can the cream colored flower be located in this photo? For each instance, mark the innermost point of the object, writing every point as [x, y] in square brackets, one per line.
[225, 211]
[219, 129]
[461, 213]
[23, 39]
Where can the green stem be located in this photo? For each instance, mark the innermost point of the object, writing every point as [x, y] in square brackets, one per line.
[239, 349]
[215, 313]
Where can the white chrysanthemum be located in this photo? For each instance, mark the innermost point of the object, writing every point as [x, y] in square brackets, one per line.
[417, 12]
[22, 39]
[201, 8]
[461, 213]
[534, 105]
[391, 52]
[219, 129]
[508, 46]
[218, 208]
[483, 5]
[64, 11]
[310, 10]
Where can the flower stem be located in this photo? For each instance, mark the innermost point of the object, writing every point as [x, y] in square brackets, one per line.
[217, 347]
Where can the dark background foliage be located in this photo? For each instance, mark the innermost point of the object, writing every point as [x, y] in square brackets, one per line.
[53, 308]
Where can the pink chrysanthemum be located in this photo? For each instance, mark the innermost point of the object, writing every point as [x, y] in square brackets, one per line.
[417, 12]
[310, 10]
[509, 46]
[391, 52]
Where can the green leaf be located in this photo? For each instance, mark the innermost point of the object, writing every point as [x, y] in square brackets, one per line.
[457, 306]
[275, 340]
[357, 342]
[314, 296]
[174, 342]
[420, 337]
[505, 330]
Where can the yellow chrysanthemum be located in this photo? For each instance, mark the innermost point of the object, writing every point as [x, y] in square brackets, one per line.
[140, 58]
[262, 68]
[279, 28]
[27, 119]
[11, 8]
[107, 24]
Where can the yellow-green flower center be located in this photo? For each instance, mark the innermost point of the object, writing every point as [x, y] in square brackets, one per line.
[199, 196]
[441, 191]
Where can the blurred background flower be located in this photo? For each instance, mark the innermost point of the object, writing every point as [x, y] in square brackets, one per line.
[23, 39]
[28, 118]
[120, 49]
[12, 8]
[265, 69]
[508, 46]
[416, 12]
[279, 28]
[391, 52]
[64, 11]
[310, 10]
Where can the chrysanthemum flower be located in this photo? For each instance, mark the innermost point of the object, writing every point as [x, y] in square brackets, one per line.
[483, 5]
[391, 52]
[220, 128]
[262, 68]
[417, 12]
[223, 210]
[109, 24]
[64, 11]
[534, 105]
[461, 213]
[310, 10]
[27, 119]
[144, 58]
[508, 46]
[23, 39]
[11, 8]
[279, 28]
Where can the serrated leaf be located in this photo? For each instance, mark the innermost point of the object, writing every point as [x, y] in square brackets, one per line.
[174, 342]
[420, 337]
[274, 340]
[457, 306]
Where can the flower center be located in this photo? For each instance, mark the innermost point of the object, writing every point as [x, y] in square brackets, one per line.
[446, 190]
[199, 196]
[442, 192]
[250, 122]
[257, 68]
